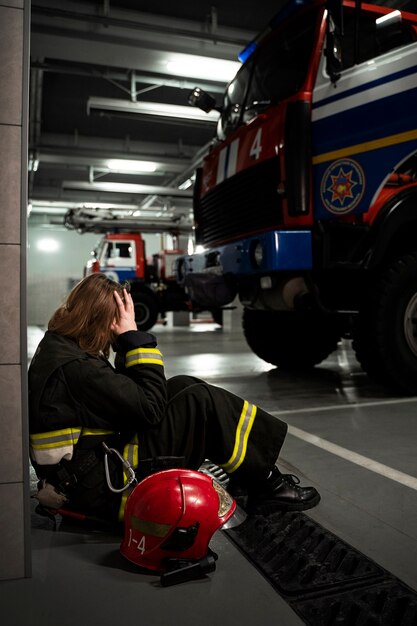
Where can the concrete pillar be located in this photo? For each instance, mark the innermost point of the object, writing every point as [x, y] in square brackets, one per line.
[14, 474]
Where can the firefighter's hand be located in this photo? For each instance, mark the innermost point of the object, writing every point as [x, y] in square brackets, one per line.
[126, 315]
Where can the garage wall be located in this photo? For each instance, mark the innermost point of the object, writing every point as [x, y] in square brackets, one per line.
[56, 258]
[14, 477]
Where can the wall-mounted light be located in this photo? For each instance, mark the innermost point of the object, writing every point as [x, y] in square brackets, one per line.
[47, 245]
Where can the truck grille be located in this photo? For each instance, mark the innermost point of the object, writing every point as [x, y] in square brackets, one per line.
[245, 203]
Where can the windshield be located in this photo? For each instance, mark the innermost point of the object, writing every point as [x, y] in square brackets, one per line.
[275, 71]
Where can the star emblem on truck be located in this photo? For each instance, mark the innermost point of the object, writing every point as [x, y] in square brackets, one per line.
[342, 186]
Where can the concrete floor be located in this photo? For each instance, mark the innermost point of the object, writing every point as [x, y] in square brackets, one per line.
[348, 437]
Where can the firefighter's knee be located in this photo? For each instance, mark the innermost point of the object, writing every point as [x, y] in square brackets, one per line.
[179, 383]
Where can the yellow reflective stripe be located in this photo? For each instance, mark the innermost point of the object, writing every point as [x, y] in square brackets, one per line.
[246, 420]
[95, 431]
[63, 437]
[366, 146]
[130, 454]
[142, 356]
[55, 438]
[149, 528]
[122, 507]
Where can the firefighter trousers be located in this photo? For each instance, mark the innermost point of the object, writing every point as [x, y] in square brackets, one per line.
[203, 421]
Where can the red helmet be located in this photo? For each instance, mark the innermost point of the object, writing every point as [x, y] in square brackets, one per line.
[173, 514]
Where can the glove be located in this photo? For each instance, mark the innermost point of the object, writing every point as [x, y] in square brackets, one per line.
[49, 497]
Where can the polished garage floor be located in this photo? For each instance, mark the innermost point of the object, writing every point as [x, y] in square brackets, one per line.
[355, 442]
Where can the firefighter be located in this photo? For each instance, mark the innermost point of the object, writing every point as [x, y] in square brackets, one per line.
[79, 400]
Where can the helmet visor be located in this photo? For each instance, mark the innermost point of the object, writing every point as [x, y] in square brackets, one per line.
[236, 519]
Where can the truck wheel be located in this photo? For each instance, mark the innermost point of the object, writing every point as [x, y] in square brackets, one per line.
[291, 340]
[146, 310]
[385, 338]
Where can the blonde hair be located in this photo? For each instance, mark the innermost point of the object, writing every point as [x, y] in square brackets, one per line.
[87, 314]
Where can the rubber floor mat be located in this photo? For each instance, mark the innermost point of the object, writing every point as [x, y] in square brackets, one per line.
[324, 579]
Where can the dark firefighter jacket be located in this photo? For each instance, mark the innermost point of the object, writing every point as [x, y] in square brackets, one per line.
[76, 401]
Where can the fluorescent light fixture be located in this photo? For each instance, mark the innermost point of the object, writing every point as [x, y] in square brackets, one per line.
[33, 165]
[127, 188]
[388, 17]
[186, 184]
[124, 165]
[160, 109]
[206, 68]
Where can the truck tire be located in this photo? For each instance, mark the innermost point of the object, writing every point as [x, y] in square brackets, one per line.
[146, 310]
[291, 340]
[385, 337]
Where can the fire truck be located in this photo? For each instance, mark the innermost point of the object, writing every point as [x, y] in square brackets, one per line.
[306, 204]
[121, 255]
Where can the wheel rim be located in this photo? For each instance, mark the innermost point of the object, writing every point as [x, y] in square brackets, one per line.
[141, 313]
[410, 324]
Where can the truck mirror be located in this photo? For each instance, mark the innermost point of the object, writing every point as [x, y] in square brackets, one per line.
[201, 99]
[333, 52]
[333, 39]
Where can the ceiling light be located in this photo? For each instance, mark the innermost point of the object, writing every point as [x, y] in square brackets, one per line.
[186, 184]
[160, 109]
[124, 165]
[393, 15]
[127, 188]
[206, 68]
[33, 165]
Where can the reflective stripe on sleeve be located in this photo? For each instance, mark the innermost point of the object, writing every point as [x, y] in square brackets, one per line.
[247, 417]
[144, 356]
[49, 448]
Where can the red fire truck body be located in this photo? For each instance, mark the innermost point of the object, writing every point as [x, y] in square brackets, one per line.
[306, 204]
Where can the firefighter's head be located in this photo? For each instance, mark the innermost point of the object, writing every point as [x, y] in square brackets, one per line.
[173, 514]
[88, 313]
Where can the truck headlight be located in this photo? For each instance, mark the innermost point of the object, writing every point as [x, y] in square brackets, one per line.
[257, 254]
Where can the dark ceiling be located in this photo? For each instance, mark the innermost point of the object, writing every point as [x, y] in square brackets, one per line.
[90, 58]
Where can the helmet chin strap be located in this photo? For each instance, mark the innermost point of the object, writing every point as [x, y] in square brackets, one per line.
[129, 469]
[184, 571]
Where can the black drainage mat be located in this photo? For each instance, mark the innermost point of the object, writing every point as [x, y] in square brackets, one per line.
[325, 580]
[386, 604]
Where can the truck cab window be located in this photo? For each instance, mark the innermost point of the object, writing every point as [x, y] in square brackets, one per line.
[374, 39]
[125, 249]
[281, 64]
[233, 101]
[276, 70]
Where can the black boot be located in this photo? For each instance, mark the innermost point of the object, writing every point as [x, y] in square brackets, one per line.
[281, 492]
